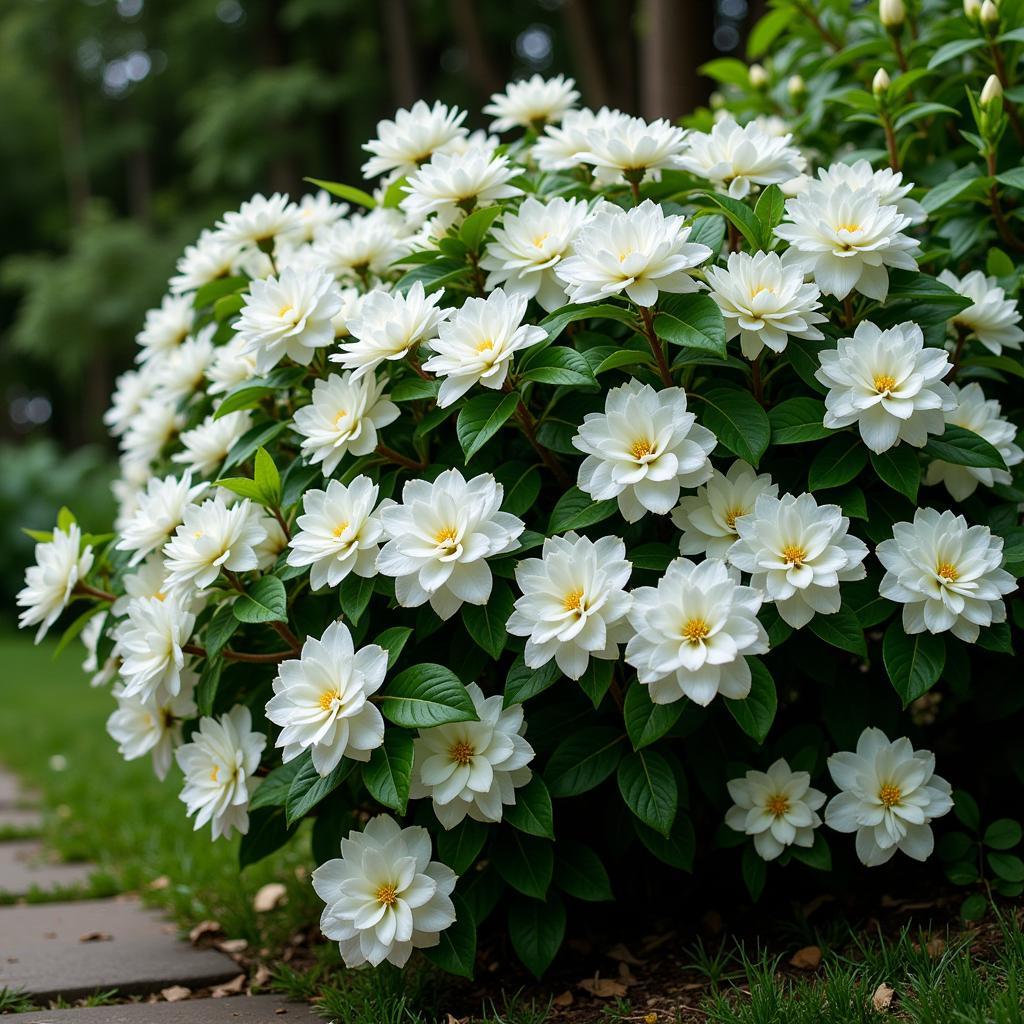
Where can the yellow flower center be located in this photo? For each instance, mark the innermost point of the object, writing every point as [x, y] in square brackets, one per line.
[641, 448]
[794, 554]
[851, 227]
[761, 288]
[386, 894]
[572, 600]
[777, 805]
[541, 239]
[342, 413]
[340, 529]
[284, 311]
[948, 572]
[215, 772]
[446, 535]
[486, 345]
[461, 752]
[732, 515]
[695, 630]
[160, 595]
[890, 795]
[327, 699]
[885, 382]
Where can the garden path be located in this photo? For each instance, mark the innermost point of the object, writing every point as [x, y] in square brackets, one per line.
[53, 945]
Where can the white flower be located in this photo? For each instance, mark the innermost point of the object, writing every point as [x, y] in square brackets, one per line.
[207, 445]
[528, 245]
[776, 807]
[993, 319]
[211, 258]
[640, 252]
[574, 604]
[178, 374]
[477, 344]
[385, 897]
[946, 574]
[390, 325]
[532, 102]
[797, 553]
[887, 383]
[629, 148]
[259, 221]
[274, 541]
[451, 184]
[150, 430]
[288, 316]
[890, 795]
[148, 580]
[412, 138]
[219, 765]
[693, 631]
[131, 389]
[141, 727]
[317, 213]
[846, 238]
[364, 245]
[344, 416]
[151, 643]
[735, 158]
[321, 700]
[211, 538]
[60, 564]
[159, 511]
[561, 147]
[92, 633]
[473, 768]
[984, 417]
[643, 449]
[708, 518]
[439, 538]
[338, 532]
[765, 302]
[232, 364]
[165, 328]
[886, 184]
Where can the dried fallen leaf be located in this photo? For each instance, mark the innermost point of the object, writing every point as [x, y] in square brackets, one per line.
[268, 897]
[204, 928]
[603, 988]
[163, 882]
[175, 993]
[229, 988]
[620, 952]
[807, 958]
[95, 937]
[882, 997]
[626, 975]
[563, 999]
[261, 977]
[935, 946]
[232, 945]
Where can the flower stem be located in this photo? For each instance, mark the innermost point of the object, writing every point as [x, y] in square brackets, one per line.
[100, 595]
[656, 347]
[808, 12]
[1005, 232]
[1008, 105]
[411, 359]
[890, 140]
[528, 425]
[399, 459]
[276, 513]
[230, 655]
[757, 382]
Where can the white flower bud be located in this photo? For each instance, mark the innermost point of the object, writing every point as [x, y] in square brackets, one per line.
[881, 82]
[796, 86]
[892, 13]
[758, 76]
[989, 14]
[993, 91]
[972, 10]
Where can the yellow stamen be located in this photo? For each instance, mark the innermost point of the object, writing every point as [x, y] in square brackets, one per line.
[486, 345]
[215, 772]
[890, 795]
[885, 382]
[948, 572]
[340, 529]
[761, 288]
[793, 554]
[461, 752]
[386, 894]
[848, 227]
[541, 239]
[446, 535]
[340, 416]
[160, 595]
[327, 699]
[641, 448]
[572, 600]
[284, 311]
[777, 805]
[695, 630]
[732, 515]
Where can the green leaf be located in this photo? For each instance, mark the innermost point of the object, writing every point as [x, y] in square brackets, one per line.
[486, 623]
[424, 696]
[209, 293]
[227, 306]
[956, 48]
[264, 601]
[1014, 177]
[459, 847]
[946, 192]
[837, 463]
[432, 276]
[209, 682]
[557, 321]
[349, 192]
[741, 216]
[755, 713]
[389, 770]
[475, 227]
[798, 420]
[456, 950]
[1007, 866]
[737, 420]
[522, 485]
[308, 787]
[252, 392]
[532, 810]
[754, 871]
[900, 468]
[558, 365]
[575, 510]
[583, 760]
[481, 418]
[268, 832]
[536, 929]
[273, 790]
[769, 210]
[818, 856]
[767, 29]
[965, 807]
[922, 298]
[841, 629]
[623, 357]
[596, 679]
[646, 721]
[220, 629]
[691, 321]
[728, 70]
[267, 478]
[243, 487]
[580, 873]
[914, 663]
[1003, 834]
[964, 448]
[677, 849]
[415, 389]
[525, 862]
[523, 683]
[258, 436]
[393, 640]
[649, 788]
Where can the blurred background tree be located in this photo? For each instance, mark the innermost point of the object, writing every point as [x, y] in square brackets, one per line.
[127, 125]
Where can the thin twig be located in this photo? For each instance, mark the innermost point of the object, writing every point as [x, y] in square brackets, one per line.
[101, 595]
[659, 353]
[399, 459]
[229, 655]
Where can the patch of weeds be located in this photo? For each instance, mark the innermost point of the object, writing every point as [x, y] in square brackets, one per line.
[381, 995]
[14, 1000]
[299, 986]
[108, 997]
[717, 966]
[515, 1009]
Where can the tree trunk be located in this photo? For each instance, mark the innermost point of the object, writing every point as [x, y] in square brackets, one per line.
[675, 39]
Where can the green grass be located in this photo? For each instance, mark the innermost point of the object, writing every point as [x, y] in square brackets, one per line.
[117, 815]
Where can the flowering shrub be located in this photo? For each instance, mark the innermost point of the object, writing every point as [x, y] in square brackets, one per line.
[502, 502]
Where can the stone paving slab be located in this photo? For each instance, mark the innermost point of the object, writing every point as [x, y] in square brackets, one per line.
[236, 1010]
[24, 819]
[24, 866]
[131, 949]
[10, 789]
